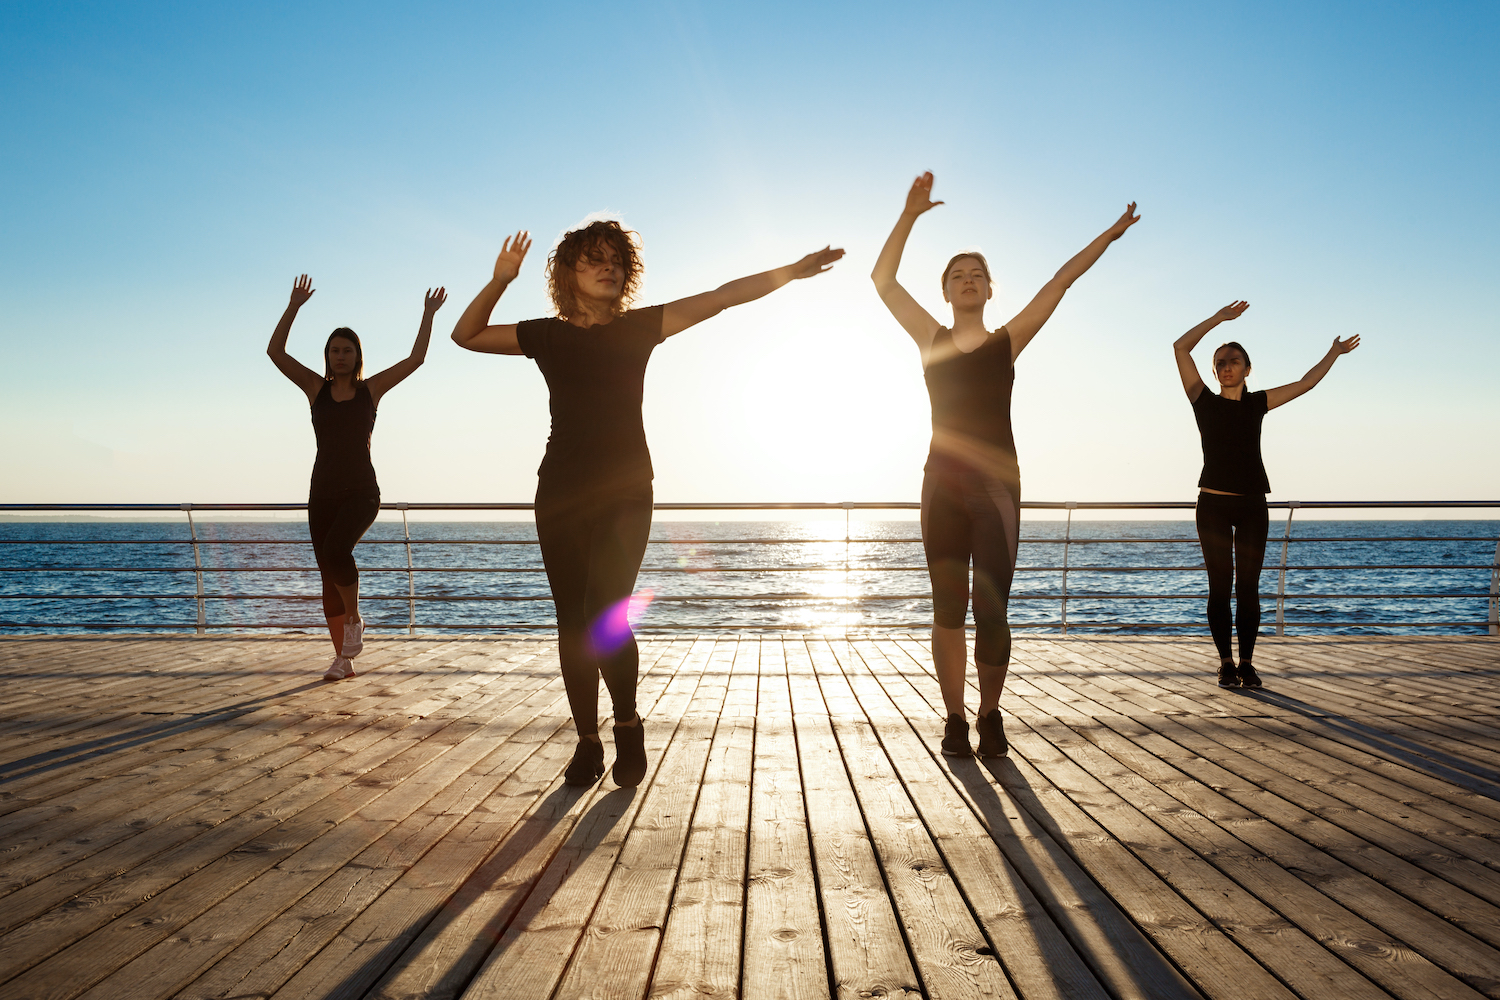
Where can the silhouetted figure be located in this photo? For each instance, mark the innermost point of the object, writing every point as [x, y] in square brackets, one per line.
[1232, 490]
[971, 493]
[344, 497]
[593, 498]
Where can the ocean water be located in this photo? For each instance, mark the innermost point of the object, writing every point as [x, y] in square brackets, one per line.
[1432, 577]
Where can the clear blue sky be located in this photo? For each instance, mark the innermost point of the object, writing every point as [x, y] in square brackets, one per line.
[169, 169]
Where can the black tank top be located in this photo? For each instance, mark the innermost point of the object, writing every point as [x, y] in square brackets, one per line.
[1230, 431]
[970, 396]
[343, 429]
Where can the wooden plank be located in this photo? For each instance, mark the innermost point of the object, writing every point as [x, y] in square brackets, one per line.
[866, 944]
[701, 943]
[783, 956]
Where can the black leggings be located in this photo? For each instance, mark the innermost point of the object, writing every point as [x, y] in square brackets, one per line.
[336, 525]
[1232, 530]
[592, 545]
[967, 515]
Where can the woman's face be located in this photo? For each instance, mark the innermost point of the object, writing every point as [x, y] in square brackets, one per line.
[966, 284]
[343, 356]
[600, 274]
[1229, 367]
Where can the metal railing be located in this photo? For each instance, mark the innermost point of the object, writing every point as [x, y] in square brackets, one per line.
[201, 595]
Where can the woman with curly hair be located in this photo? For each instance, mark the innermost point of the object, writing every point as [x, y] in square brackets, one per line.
[593, 498]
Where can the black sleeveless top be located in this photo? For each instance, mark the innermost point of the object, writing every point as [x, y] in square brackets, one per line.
[343, 464]
[1230, 431]
[970, 396]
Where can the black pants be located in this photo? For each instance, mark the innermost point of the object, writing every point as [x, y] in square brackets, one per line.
[592, 545]
[1232, 531]
[966, 515]
[336, 525]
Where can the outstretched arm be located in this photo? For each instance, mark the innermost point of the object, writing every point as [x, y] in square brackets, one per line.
[1183, 346]
[683, 313]
[472, 331]
[304, 377]
[1286, 393]
[1028, 322]
[383, 382]
[916, 321]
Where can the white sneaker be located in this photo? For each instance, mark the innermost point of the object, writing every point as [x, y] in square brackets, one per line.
[338, 669]
[354, 639]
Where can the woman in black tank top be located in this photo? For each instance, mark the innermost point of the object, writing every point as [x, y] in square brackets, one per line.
[1231, 514]
[344, 496]
[593, 497]
[971, 493]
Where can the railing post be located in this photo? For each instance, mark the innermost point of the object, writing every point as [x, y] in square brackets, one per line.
[197, 569]
[1291, 508]
[848, 505]
[411, 585]
[1495, 593]
[1067, 543]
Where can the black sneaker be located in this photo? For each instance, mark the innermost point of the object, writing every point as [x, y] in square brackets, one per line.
[587, 765]
[1248, 677]
[630, 754]
[991, 735]
[956, 737]
[1228, 676]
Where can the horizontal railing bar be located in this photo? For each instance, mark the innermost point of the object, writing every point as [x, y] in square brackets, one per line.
[746, 598]
[779, 505]
[826, 568]
[646, 629]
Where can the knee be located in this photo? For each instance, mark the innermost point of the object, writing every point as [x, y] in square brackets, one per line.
[949, 613]
[992, 642]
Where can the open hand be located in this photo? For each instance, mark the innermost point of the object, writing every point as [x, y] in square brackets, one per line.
[1232, 311]
[434, 300]
[816, 262]
[919, 198]
[512, 253]
[302, 290]
[1346, 345]
[1124, 222]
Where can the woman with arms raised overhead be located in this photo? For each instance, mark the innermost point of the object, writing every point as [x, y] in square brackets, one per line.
[593, 498]
[971, 493]
[344, 497]
[1231, 514]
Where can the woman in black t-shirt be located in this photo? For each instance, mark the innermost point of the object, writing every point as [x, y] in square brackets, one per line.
[971, 492]
[344, 497]
[1231, 516]
[593, 498]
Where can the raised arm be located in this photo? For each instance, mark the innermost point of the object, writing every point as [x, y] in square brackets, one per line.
[302, 376]
[472, 331]
[1182, 347]
[1029, 321]
[683, 313]
[383, 382]
[915, 320]
[1286, 393]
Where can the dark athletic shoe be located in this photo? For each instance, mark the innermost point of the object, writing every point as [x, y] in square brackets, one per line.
[991, 731]
[1228, 676]
[1248, 677]
[587, 765]
[956, 737]
[630, 754]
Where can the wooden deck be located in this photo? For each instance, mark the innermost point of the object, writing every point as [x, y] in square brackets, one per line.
[207, 818]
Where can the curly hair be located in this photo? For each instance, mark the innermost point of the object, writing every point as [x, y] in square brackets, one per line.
[960, 256]
[589, 244]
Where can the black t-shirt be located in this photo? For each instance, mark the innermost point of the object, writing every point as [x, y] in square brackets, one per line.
[970, 396]
[596, 376]
[1230, 429]
[343, 430]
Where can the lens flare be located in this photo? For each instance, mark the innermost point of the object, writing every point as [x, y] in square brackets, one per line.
[611, 629]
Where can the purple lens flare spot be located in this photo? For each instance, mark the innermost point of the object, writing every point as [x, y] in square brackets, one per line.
[612, 629]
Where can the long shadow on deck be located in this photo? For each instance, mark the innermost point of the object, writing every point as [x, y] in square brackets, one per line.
[25, 767]
[535, 833]
[1414, 754]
